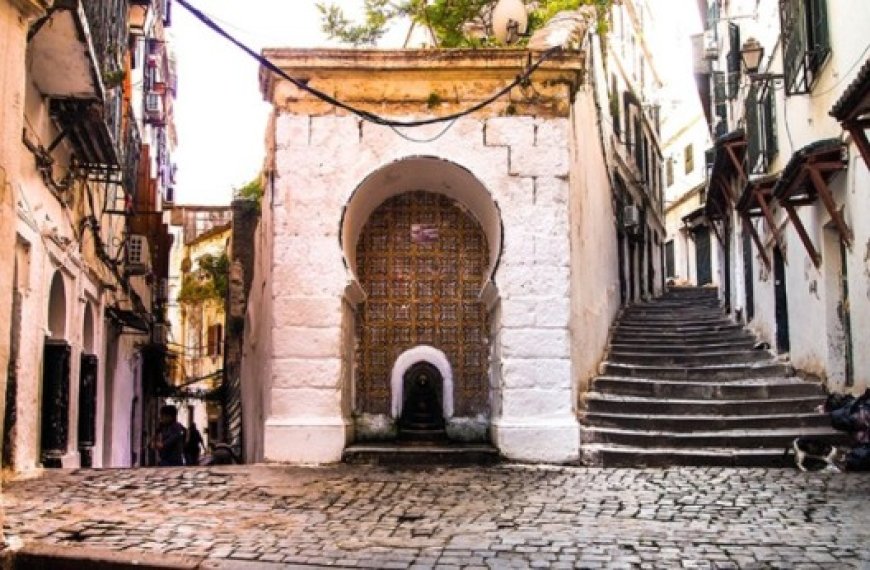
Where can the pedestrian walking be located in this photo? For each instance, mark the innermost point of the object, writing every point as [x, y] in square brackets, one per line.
[169, 441]
[193, 445]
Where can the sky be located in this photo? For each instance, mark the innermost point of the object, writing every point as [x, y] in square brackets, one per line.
[220, 115]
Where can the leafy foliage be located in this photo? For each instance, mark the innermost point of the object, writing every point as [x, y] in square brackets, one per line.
[449, 20]
[209, 282]
[253, 190]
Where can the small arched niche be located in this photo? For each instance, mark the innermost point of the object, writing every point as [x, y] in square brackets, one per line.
[57, 308]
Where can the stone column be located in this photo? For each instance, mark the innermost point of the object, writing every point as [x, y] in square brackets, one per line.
[307, 419]
[535, 418]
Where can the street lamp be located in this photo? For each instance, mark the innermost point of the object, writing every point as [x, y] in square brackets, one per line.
[752, 53]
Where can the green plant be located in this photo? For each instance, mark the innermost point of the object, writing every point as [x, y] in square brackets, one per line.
[209, 283]
[448, 19]
[253, 190]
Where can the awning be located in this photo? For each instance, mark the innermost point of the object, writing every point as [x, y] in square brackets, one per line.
[853, 110]
[128, 319]
[729, 152]
[805, 179]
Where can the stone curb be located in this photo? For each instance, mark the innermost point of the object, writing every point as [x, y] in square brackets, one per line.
[37, 556]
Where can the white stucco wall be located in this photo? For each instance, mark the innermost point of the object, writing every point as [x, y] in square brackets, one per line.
[813, 293]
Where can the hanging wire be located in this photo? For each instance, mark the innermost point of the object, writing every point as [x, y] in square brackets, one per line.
[361, 113]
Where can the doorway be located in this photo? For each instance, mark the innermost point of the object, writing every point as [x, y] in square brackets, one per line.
[748, 276]
[703, 263]
[780, 297]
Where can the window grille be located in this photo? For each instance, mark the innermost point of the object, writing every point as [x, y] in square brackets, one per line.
[805, 42]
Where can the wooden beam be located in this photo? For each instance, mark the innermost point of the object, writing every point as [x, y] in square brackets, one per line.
[828, 200]
[796, 183]
[735, 162]
[726, 191]
[750, 227]
[802, 232]
[713, 225]
[768, 215]
[860, 138]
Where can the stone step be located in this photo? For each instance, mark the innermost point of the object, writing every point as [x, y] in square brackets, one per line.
[701, 423]
[747, 389]
[674, 348]
[671, 315]
[416, 454]
[698, 359]
[632, 456]
[597, 402]
[678, 328]
[737, 438]
[697, 339]
[712, 372]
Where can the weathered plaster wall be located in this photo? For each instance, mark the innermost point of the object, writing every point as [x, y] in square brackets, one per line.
[813, 293]
[594, 274]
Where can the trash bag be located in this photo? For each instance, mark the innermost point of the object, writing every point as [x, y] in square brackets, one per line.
[851, 415]
[859, 458]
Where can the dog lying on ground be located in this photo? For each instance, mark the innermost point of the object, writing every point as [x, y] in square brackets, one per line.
[814, 455]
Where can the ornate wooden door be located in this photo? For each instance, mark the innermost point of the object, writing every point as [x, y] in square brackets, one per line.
[421, 259]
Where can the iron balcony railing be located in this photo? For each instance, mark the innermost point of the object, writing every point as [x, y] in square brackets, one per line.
[131, 152]
[107, 22]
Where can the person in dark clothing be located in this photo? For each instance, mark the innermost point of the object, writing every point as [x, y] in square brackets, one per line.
[193, 446]
[169, 441]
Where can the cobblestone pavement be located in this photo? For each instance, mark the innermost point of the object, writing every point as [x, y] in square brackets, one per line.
[496, 517]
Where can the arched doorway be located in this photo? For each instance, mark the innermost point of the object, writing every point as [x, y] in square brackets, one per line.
[54, 430]
[421, 259]
[87, 423]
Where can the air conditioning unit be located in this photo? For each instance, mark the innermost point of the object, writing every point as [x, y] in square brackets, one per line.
[631, 216]
[159, 333]
[138, 255]
[711, 45]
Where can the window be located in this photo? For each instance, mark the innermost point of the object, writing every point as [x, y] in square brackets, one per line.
[761, 127]
[689, 159]
[734, 60]
[215, 340]
[805, 42]
[669, 172]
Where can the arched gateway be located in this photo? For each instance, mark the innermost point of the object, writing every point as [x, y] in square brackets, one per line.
[423, 261]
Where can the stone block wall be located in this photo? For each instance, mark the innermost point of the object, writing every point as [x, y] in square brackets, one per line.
[523, 162]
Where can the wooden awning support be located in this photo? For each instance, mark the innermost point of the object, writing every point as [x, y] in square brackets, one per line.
[859, 134]
[768, 216]
[736, 162]
[828, 200]
[804, 180]
[802, 232]
[715, 228]
[748, 226]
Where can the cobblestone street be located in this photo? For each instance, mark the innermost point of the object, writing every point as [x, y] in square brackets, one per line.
[509, 516]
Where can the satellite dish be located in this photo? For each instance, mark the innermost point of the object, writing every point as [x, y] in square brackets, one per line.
[509, 21]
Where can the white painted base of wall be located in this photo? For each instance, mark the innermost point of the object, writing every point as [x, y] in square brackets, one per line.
[305, 442]
[544, 441]
[71, 460]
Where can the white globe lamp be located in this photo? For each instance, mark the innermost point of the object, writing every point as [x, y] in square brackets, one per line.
[509, 21]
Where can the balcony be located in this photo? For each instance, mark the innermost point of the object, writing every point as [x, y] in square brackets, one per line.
[78, 52]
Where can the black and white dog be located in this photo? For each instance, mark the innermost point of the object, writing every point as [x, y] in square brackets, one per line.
[814, 455]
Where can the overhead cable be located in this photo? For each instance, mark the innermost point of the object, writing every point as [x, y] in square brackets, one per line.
[361, 113]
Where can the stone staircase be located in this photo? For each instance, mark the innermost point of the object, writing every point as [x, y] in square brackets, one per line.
[683, 385]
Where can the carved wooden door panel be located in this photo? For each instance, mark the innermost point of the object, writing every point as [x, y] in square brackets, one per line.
[421, 259]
